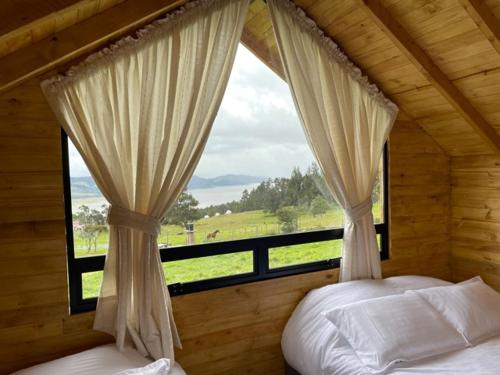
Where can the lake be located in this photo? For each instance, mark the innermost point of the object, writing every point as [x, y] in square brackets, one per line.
[205, 197]
[221, 194]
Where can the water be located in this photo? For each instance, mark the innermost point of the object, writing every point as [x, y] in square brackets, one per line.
[221, 194]
[205, 197]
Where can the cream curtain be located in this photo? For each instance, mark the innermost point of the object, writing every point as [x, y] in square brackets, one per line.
[347, 122]
[140, 114]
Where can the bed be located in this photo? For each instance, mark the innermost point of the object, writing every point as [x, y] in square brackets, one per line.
[102, 360]
[312, 345]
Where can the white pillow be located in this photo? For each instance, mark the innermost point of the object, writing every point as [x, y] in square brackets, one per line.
[159, 367]
[472, 307]
[398, 328]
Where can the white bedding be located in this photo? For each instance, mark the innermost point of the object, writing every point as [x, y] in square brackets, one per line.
[313, 346]
[103, 360]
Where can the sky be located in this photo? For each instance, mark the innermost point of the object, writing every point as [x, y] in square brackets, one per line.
[256, 132]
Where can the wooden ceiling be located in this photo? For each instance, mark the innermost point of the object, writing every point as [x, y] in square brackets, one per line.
[439, 60]
[29, 21]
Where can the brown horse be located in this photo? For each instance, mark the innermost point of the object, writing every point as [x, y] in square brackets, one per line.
[213, 234]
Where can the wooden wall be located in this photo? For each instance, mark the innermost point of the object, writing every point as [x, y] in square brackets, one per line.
[34, 320]
[476, 218]
[233, 330]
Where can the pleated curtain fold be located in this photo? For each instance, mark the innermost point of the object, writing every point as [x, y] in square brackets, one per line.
[140, 114]
[347, 122]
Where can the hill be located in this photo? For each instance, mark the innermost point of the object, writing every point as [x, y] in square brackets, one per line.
[86, 187]
[225, 180]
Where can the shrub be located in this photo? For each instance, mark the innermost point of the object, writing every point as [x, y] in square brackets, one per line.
[319, 206]
[288, 217]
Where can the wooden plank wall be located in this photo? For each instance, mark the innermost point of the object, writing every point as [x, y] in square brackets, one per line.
[233, 330]
[34, 320]
[476, 218]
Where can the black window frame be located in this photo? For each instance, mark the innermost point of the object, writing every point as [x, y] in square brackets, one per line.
[258, 245]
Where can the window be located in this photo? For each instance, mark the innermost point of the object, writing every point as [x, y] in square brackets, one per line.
[256, 208]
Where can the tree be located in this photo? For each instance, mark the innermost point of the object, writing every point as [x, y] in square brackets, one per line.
[90, 233]
[288, 218]
[319, 206]
[184, 211]
[87, 216]
[82, 215]
[92, 222]
[294, 189]
[97, 217]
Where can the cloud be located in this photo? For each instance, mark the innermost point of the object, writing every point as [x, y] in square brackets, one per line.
[256, 131]
[269, 161]
[77, 166]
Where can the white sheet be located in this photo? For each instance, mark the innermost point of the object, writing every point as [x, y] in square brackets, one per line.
[387, 331]
[313, 346]
[103, 360]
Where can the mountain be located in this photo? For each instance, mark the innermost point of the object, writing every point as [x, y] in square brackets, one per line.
[225, 180]
[85, 186]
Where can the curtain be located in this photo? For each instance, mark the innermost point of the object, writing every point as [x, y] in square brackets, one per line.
[140, 113]
[346, 120]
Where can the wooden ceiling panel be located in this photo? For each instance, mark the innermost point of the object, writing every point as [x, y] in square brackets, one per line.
[372, 51]
[392, 76]
[464, 55]
[423, 102]
[23, 12]
[447, 33]
[258, 36]
[396, 31]
[80, 39]
[494, 6]
[425, 14]
[327, 15]
[34, 20]
[483, 91]
[454, 135]
[259, 22]
[485, 19]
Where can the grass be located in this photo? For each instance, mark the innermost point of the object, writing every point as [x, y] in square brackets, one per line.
[232, 227]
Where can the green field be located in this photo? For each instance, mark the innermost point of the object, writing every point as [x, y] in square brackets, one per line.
[232, 227]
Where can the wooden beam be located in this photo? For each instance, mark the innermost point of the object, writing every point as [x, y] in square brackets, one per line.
[80, 39]
[484, 19]
[429, 69]
[36, 20]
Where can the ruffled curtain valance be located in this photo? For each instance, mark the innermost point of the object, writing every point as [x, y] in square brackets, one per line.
[347, 121]
[140, 113]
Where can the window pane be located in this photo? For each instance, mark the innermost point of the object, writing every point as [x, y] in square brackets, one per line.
[378, 195]
[257, 175]
[182, 271]
[89, 207]
[91, 284]
[307, 253]
[304, 253]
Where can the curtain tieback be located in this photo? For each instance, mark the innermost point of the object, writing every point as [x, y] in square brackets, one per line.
[353, 214]
[125, 218]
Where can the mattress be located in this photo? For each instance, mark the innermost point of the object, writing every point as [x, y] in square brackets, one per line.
[313, 346]
[103, 360]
